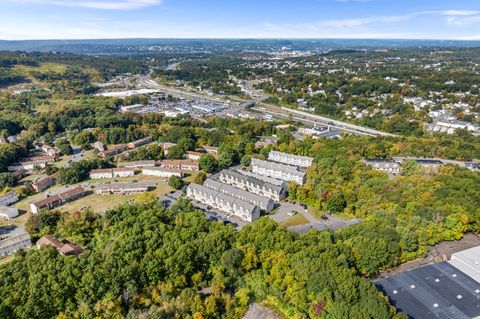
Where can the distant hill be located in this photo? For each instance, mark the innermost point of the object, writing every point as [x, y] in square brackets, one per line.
[130, 46]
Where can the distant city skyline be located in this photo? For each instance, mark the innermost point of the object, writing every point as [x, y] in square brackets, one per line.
[355, 19]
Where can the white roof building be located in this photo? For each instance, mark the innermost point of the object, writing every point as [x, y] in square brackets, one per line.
[7, 213]
[468, 261]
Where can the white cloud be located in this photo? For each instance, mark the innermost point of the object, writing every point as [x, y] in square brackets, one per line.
[458, 12]
[98, 4]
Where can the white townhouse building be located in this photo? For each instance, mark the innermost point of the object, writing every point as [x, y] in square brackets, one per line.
[279, 171]
[289, 159]
[223, 202]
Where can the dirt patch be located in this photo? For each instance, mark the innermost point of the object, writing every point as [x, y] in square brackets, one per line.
[438, 253]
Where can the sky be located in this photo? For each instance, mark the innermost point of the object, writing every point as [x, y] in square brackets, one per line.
[97, 19]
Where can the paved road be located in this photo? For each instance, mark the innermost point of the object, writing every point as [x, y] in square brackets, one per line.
[280, 111]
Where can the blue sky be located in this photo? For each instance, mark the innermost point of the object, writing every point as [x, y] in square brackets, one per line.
[88, 19]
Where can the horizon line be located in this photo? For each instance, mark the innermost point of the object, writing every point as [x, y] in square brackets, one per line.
[240, 38]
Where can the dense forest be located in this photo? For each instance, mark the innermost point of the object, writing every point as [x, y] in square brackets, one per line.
[142, 261]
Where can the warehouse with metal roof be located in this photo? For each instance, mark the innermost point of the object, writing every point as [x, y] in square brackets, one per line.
[435, 291]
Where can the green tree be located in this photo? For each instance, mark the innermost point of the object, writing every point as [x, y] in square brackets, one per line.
[208, 163]
[176, 182]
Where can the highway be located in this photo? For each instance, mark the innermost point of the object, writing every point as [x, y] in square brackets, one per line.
[317, 119]
[273, 110]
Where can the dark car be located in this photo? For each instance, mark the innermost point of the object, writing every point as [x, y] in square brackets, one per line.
[324, 217]
[212, 219]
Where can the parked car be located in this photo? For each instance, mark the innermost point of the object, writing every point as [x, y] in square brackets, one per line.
[324, 217]
[292, 213]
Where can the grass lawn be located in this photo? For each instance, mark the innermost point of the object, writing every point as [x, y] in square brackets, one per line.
[295, 220]
[191, 176]
[97, 203]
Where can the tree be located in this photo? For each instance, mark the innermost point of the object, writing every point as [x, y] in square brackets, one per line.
[176, 182]
[186, 143]
[64, 147]
[410, 167]
[208, 163]
[200, 178]
[7, 180]
[175, 152]
[245, 161]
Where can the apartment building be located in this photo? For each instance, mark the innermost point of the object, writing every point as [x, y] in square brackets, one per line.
[253, 184]
[223, 202]
[263, 203]
[289, 159]
[279, 171]
[161, 172]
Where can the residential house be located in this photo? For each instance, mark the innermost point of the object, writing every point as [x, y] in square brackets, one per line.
[387, 165]
[193, 155]
[45, 182]
[182, 165]
[161, 172]
[8, 213]
[140, 142]
[8, 198]
[65, 249]
[137, 164]
[114, 150]
[121, 188]
[14, 243]
[57, 200]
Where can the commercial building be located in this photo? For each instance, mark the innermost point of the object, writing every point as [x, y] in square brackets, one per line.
[14, 243]
[263, 203]
[8, 213]
[140, 142]
[121, 188]
[289, 159]
[468, 261]
[57, 200]
[223, 202]
[434, 291]
[388, 165]
[44, 183]
[8, 199]
[279, 171]
[161, 172]
[137, 164]
[253, 184]
[182, 165]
